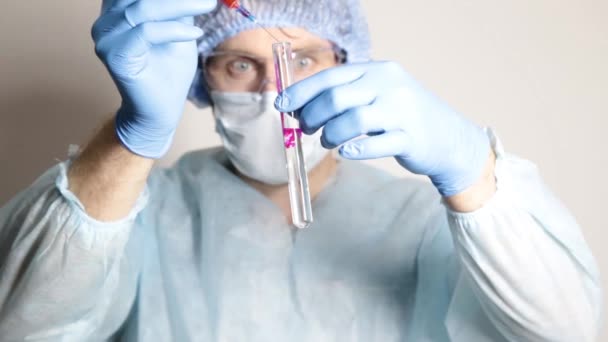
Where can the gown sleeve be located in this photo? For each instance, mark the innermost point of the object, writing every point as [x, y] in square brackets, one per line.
[64, 275]
[524, 263]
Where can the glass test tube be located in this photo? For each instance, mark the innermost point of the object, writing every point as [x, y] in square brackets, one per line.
[299, 194]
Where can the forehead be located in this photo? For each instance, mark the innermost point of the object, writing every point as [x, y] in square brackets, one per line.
[259, 42]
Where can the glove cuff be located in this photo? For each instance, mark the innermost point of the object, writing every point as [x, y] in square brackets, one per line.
[467, 172]
[145, 142]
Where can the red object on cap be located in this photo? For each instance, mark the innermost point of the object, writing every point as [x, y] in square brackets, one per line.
[232, 3]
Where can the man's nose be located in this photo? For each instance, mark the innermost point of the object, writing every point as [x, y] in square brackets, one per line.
[269, 81]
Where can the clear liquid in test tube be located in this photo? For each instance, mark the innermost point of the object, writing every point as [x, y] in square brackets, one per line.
[299, 194]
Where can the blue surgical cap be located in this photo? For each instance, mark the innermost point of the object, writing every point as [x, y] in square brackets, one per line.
[339, 21]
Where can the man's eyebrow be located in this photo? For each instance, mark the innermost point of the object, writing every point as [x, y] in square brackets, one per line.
[311, 44]
[295, 47]
[235, 51]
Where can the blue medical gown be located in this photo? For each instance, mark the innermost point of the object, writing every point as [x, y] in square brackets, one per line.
[205, 257]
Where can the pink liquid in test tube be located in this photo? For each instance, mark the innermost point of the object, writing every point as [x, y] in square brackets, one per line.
[299, 194]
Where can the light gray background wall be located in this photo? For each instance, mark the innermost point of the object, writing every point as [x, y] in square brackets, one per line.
[536, 71]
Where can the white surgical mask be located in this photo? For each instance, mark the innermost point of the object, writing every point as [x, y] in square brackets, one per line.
[250, 128]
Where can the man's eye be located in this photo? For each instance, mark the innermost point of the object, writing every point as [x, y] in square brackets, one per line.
[240, 66]
[303, 62]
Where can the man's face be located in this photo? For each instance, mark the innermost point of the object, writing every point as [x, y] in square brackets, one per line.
[244, 62]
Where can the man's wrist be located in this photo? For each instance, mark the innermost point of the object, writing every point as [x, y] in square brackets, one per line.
[106, 177]
[475, 196]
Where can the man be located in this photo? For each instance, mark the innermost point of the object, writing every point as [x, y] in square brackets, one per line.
[102, 247]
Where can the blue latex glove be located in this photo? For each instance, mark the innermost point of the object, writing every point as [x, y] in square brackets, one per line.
[149, 48]
[401, 119]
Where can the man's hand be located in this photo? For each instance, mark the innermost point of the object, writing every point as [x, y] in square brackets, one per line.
[400, 118]
[149, 48]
